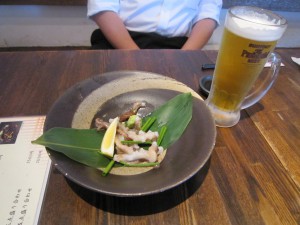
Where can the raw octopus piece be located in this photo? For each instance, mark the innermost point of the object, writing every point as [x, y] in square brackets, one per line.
[101, 124]
[133, 111]
[142, 136]
[149, 155]
[121, 148]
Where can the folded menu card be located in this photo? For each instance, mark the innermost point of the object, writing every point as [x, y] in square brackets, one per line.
[24, 170]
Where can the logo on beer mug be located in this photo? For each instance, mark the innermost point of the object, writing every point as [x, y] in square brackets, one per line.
[257, 54]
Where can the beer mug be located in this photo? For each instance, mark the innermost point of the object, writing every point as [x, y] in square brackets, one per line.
[249, 37]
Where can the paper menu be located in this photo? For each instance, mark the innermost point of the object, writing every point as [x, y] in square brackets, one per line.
[24, 170]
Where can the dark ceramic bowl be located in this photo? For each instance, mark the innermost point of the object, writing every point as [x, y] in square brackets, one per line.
[109, 95]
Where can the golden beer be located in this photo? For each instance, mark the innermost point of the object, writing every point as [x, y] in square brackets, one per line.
[240, 61]
[249, 38]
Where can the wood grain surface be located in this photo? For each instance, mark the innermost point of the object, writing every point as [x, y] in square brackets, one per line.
[252, 177]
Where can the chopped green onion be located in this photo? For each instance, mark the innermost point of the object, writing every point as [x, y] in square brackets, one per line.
[130, 142]
[148, 124]
[108, 168]
[131, 121]
[162, 133]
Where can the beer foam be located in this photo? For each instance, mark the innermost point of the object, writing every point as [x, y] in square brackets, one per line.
[255, 27]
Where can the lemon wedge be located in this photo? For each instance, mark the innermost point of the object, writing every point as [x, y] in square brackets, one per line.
[108, 142]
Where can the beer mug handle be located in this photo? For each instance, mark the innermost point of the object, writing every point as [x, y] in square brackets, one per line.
[263, 87]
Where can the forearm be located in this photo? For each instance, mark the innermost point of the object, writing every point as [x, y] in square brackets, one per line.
[200, 35]
[114, 30]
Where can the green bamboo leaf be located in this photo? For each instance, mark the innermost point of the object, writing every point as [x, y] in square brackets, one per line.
[175, 115]
[81, 145]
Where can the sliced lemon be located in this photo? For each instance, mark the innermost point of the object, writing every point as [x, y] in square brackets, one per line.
[108, 142]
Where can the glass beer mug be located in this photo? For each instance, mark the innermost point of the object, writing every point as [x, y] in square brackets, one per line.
[250, 35]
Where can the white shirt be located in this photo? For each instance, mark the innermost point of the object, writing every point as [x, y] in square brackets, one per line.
[169, 18]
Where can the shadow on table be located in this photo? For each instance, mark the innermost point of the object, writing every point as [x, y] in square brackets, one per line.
[144, 205]
[251, 111]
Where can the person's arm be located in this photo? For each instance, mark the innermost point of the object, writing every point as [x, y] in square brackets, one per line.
[114, 30]
[201, 33]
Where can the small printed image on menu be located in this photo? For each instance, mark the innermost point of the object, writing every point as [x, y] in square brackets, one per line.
[9, 132]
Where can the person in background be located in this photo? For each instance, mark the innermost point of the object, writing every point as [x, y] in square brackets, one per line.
[141, 24]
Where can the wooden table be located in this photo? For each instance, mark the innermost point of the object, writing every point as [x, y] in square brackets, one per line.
[253, 176]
